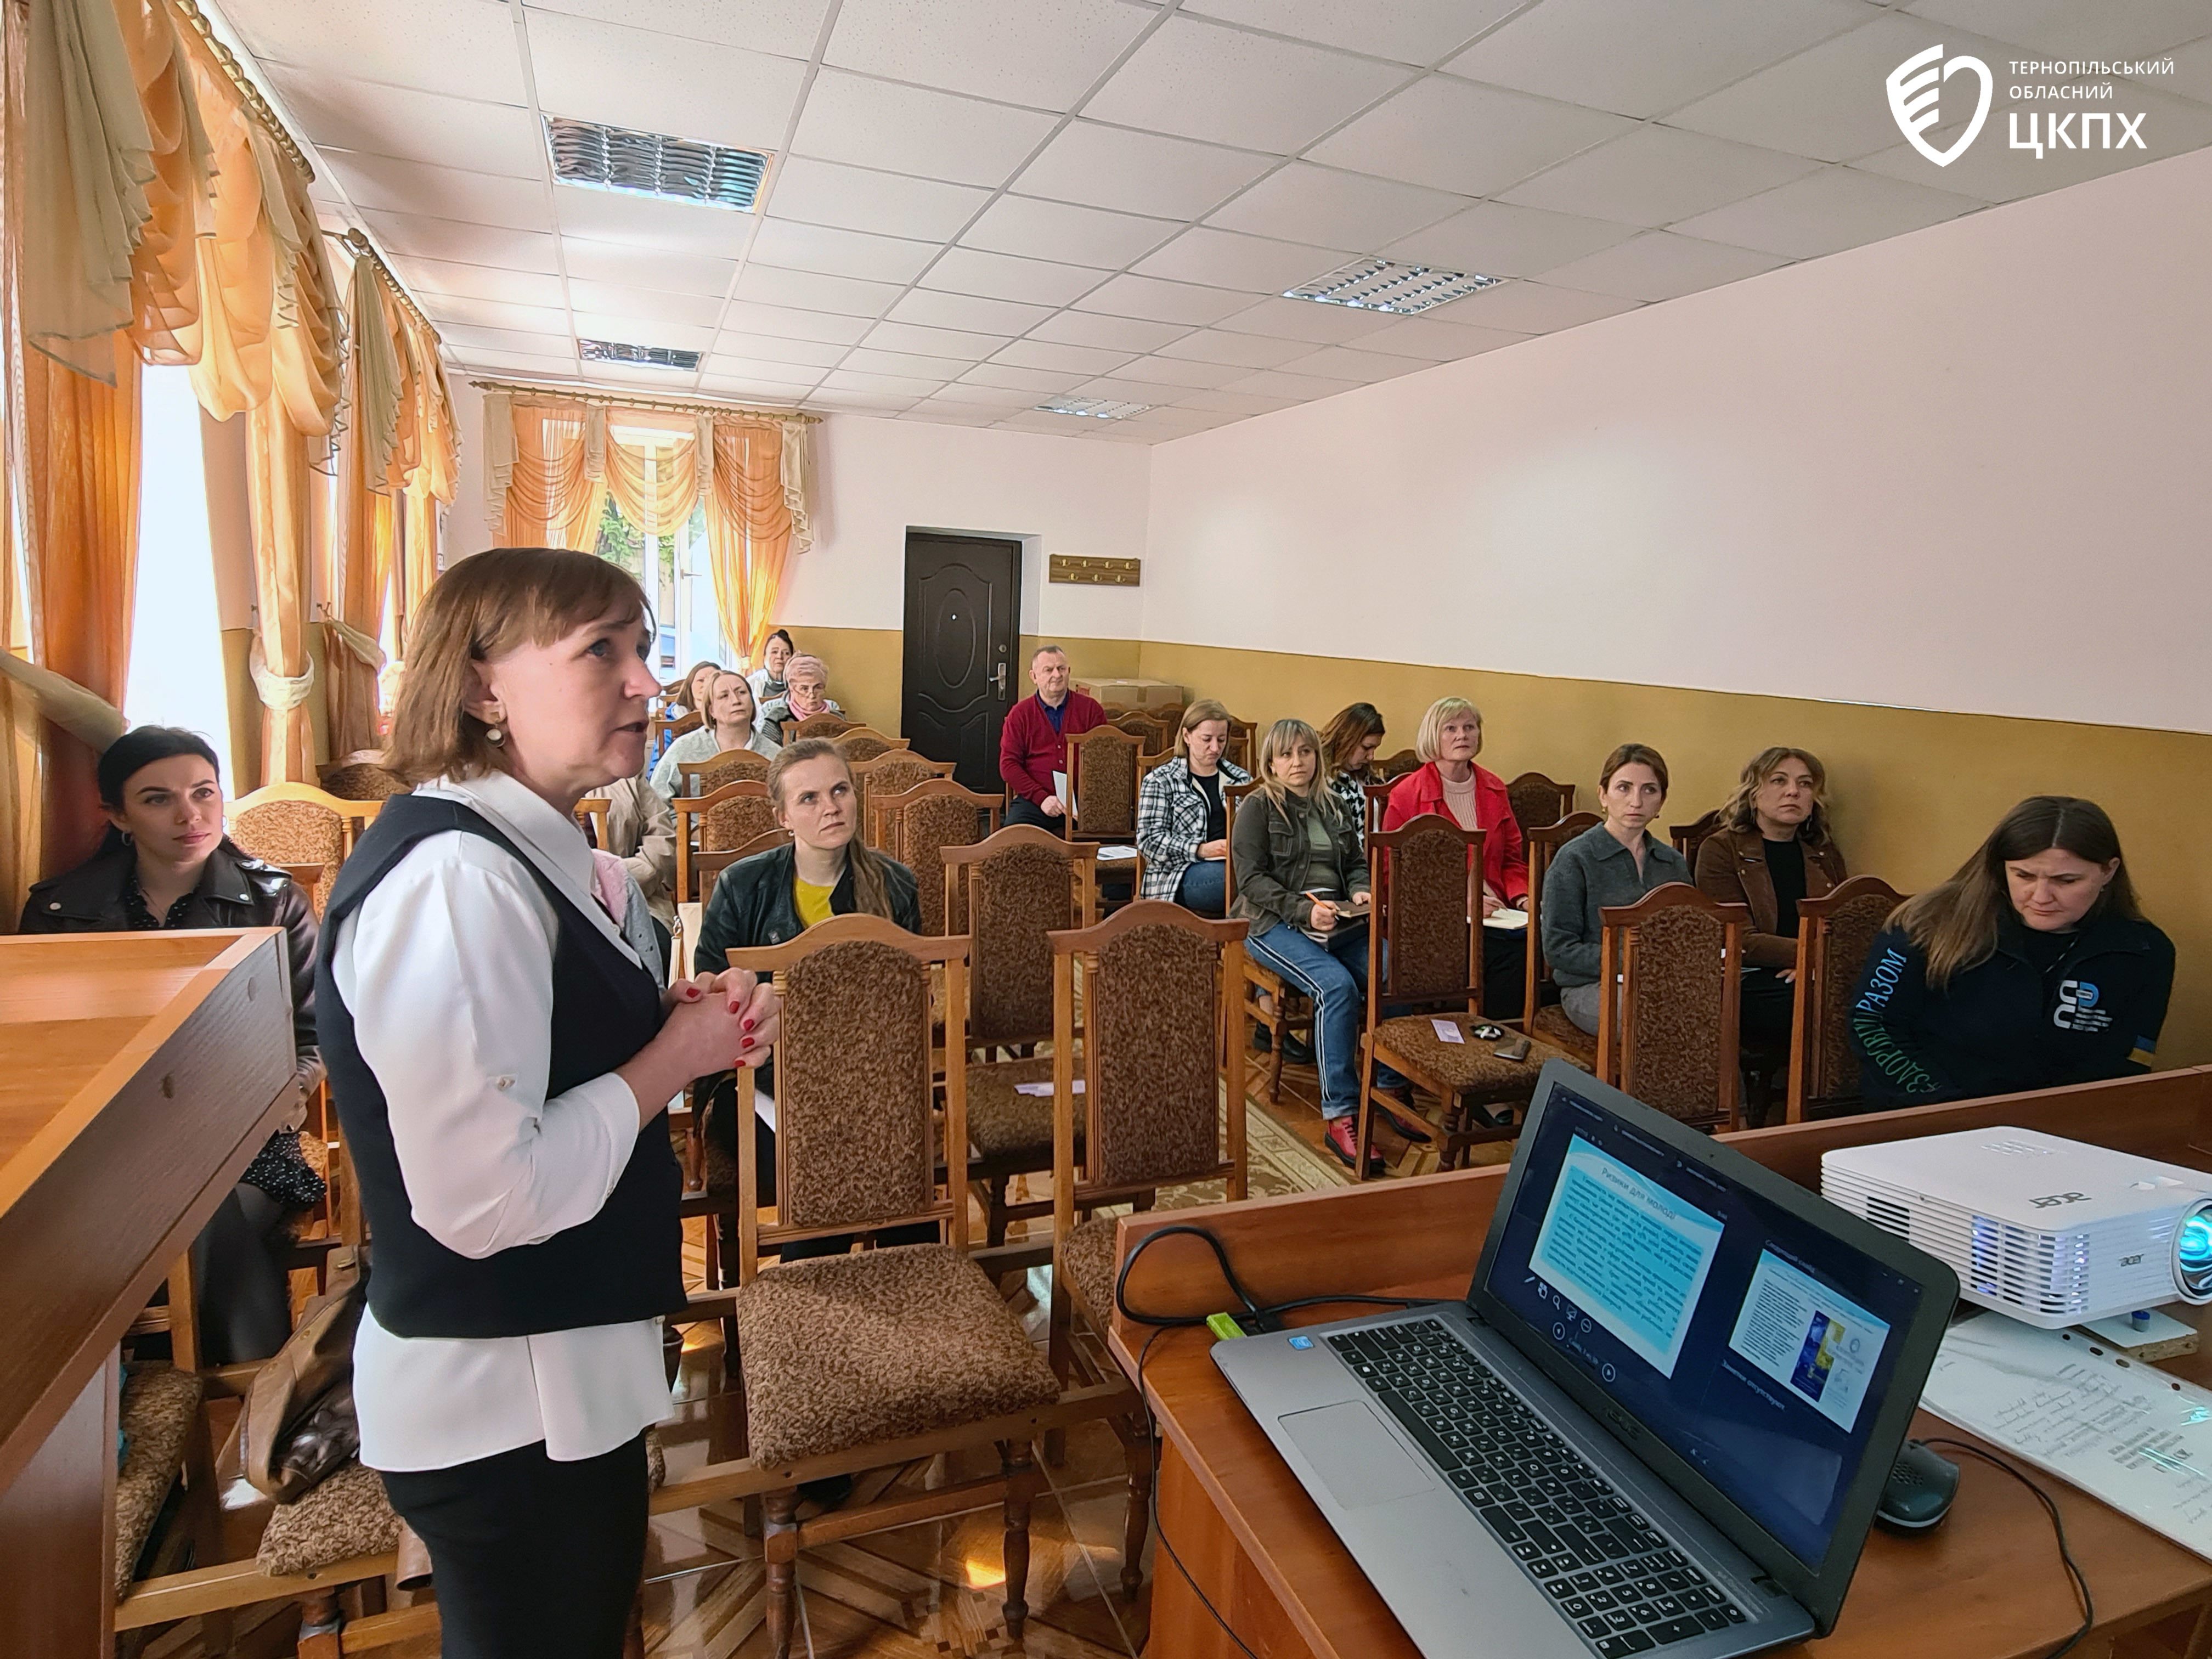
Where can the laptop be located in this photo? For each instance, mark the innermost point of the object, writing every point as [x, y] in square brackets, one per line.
[1660, 1422]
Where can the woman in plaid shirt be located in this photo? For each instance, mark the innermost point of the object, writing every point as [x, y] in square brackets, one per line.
[1182, 822]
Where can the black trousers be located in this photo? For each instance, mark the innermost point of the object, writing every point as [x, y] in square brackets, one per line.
[1768, 1009]
[1504, 971]
[531, 1558]
[246, 1309]
[1019, 810]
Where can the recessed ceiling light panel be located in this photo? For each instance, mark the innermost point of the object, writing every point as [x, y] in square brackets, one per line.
[1099, 409]
[652, 164]
[1386, 285]
[638, 356]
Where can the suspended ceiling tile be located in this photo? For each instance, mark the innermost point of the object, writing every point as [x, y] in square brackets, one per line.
[887, 386]
[1236, 403]
[1181, 371]
[631, 77]
[415, 126]
[2110, 29]
[646, 267]
[1351, 363]
[934, 134]
[1307, 203]
[976, 395]
[400, 186]
[1049, 354]
[1432, 339]
[665, 382]
[1452, 135]
[783, 394]
[1003, 318]
[914, 365]
[1992, 171]
[934, 342]
[767, 285]
[1139, 172]
[786, 28]
[467, 338]
[697, 310]
[858, 403]
[624, 328]
[1228, 259]
[799, 356]
[863, 198]
[1201, 81]
[528, 287]
[1086, 328]
[1655, 175]
[1653, 57]
[1158, 300]
[1494, 239]
[722, 361]
[1245, 351]
[382, 40]
[607, 216]
[465, 244]
[513, 363]
[796, 245]
[1411, 31]
[1535, 308]
[1006, 276]
[1037, 382]
[1055, 230]
[1305, 388]
[1301, 319]
[1660, 265]
[1117, 389]
[791, 323]
[944, 414]
[1832, 209]
[1041, 53]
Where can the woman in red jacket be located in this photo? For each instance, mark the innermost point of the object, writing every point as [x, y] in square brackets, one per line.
[1449, 784]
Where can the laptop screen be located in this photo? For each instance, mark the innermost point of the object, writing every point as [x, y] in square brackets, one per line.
[1753, 1343]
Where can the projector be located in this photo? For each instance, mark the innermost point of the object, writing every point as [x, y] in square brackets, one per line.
[2052, 1231]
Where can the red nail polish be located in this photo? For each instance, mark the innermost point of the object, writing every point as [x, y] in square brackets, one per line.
[749, 1025]
[747, 1043]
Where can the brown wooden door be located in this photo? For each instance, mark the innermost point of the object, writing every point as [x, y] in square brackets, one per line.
[962, 632]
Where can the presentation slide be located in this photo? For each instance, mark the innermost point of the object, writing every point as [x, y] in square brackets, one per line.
[1625, 1250]
[1819, 1345]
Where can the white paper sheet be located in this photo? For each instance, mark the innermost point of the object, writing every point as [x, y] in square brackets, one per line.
[1507, 921]
[2128, 1433]
[1060, 793]
[1114, 854]
[1447, 1032]
[1042, 1089]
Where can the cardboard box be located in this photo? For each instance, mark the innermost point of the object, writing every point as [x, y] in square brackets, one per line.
[1122, 695]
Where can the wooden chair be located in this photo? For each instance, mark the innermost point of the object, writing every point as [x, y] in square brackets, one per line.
[1102, 780]
[361, 776]
[1285, 1010]
[890, 772]
[592, 812]
[1688, 837]
[289, 823]
[1157, 737]
[1537, 801]
[1014, 889]
[732, 816]
[1393, 767]
[1669, 1035]
[923, 1346]
[916, 825]
[1539, 1018]
[1148, 765]
[1160, 991]
[862, 742]
[1424, 955]
[660, 731]
[1374, 802]
[1243, 742]
[706, 776]
[817, 725]
[1835, 931]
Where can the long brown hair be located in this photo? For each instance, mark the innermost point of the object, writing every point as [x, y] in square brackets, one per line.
[1352, 725]
[871, 887]
[480, 610]
[1955, 925]
[1740, 811]
[682, 688]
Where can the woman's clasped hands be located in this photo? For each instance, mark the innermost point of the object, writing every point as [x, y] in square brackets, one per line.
[735, 1015]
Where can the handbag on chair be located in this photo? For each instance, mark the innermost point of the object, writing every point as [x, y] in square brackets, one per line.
[298, 1423]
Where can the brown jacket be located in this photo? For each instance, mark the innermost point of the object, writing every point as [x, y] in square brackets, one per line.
[1732, 868]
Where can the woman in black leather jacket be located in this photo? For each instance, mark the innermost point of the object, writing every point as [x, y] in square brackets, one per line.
[166, 863]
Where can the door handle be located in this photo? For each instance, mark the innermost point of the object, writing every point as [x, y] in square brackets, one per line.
[1000, 679]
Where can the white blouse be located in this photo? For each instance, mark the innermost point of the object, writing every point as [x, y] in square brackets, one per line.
[447, 967]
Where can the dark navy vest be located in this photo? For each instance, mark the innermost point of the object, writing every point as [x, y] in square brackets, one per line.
[623, 1264]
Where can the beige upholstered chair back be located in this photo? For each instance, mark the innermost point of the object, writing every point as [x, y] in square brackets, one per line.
[1427, 898]
[295, 824]
[860, 743]
[915, 826]
[1156, 734]
[1542, 843]
[1101, 776]
[1670, 1037]
[890, 772]
[362, 776]
[1835, 932]
[817, 725]
[735, 814]
[1537, 801]
[730, 766]
[1153, 1018]
[1020, 884]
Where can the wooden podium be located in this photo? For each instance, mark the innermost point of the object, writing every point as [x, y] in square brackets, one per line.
[139, 1073]
[1986, 1585]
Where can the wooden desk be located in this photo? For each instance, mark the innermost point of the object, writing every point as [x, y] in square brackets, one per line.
[139, 1073]
[1988, 1585]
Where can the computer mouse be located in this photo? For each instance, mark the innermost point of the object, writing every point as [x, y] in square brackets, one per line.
[1918, 1493]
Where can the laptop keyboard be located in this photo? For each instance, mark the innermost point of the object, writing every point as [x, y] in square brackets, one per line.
[1617, 1579]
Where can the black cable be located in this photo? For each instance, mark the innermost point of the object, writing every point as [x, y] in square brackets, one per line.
[2058, 1526]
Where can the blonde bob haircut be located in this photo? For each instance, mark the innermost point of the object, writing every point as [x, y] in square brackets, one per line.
[1429, 739]
[1204, 709]
[478, 611]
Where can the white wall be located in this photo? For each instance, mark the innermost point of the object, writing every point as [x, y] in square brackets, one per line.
[875, 479]
[1965, 469]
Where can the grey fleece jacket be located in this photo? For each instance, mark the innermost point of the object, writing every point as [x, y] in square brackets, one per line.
[1589, 873]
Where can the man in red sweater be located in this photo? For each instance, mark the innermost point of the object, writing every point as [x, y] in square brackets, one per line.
[1032, 743]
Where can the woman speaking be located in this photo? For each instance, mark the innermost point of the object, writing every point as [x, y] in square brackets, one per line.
[502, 1063]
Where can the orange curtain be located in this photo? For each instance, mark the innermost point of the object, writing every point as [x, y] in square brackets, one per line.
[749, 530]
[558, 488]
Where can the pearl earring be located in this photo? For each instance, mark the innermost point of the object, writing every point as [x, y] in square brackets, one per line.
[494, 736]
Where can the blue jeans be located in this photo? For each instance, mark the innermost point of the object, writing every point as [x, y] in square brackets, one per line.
[1334, 976]
[1205, 888]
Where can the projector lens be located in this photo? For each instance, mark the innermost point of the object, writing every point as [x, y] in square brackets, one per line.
[2192, 1253]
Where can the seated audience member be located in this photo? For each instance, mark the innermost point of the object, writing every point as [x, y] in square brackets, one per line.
[166, 863]
[641, 833]
[2030, 968]
[1348, 744]
[773, 897]
[767, 680]
[805, 694]
[730, 725]
[1772, 849]
[1449, 784]
[1615, 862]
[1182, 822]
[1033, 742]
[690, 693]
[1299, 865]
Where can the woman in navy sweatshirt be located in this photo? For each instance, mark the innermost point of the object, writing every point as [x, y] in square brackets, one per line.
[2030, 968]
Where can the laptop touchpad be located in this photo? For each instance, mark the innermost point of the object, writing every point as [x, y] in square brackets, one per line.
[1356, 1458]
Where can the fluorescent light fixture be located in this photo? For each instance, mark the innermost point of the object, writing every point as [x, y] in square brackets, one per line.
[602, 157]
[1386, 285]
[1099, 409]
[638, 356]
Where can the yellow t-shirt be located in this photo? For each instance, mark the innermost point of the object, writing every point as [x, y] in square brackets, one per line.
[813, 902]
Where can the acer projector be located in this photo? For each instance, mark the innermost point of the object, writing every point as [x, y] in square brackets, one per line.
[2052, 1231]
